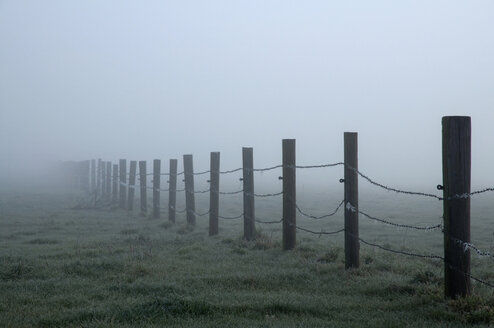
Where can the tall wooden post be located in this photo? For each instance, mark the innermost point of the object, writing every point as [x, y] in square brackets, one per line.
[456, 181]
[352, 245]
[172, 193]
[214, 196]
[108, 180]
[156, 187]
[132, 185]
[289, 195]
[93, 175]
[143, 185]
[123, 182]
[115, 184]
[190, 203]
[248, 181]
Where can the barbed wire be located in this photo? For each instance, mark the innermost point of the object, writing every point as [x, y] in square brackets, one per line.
[266, 169]
[230, 192]
[469, 195]
[352, 208]
[466, 246]
[231, 217]
[199, 191]
[199, 214]
[264, 195]
[394, 189]
[231, 171]
[316, 166]
[322, 232]
[322, 216]
[268, 222]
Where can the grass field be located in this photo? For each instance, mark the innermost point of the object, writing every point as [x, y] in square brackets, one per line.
[61, 266]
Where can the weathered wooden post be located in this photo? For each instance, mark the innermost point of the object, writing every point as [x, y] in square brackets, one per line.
[93, 175]
[456, 190]
[115, 184]
[190, 203]
[214, 196]
[132, 185]
[289, 195]
[143, 184]
[123, 182]
[108, 179]
[352, 245]
[156, 187]
[248, 182]
[172, 190]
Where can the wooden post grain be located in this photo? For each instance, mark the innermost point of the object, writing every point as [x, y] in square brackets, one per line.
[214, 196]
[143, 185]
[190, 203]
[115, 184]
[123, 182]
[456, 182]
[156, 187]
[172, 193]
[352, 245]
[289, 195]
[132, 185]
[248, 182]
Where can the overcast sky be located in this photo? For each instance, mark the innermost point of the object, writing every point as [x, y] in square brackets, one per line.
[157, 79]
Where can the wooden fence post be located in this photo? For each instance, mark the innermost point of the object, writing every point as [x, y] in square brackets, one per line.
[132, 185]
[156, 187]
[352, 244]
[143, 184]
[123, 182]
[214, 196]
[456, 190]
[190, 203]
[248, 181]
[115, 184]
[108, 180]
[172, 193]
[289, 195]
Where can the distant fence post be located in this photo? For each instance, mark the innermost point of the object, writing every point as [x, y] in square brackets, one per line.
[156, 187]
[190, 203]
[98, 179]
[93, 176]
[103, 180]
[143, 185]
[115, 184]
[123, 182]
[86, 175]
[214, 199]
[132, 185]
[108, 180]
[352, 244]
[172, 193]
[456, 190]
[248, 181]
[289, 195]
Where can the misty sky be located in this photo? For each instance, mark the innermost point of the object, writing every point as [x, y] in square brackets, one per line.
[157, 79]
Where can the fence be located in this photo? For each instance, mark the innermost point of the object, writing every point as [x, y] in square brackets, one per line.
[456, 196]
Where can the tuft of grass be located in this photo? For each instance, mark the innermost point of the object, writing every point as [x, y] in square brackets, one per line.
[16, 271]
[330, 257]
[474, 309]
[129, 231]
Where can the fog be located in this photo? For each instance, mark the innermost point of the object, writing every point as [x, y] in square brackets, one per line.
[159, 79]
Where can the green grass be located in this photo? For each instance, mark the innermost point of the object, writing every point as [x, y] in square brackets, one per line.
[61, 266]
